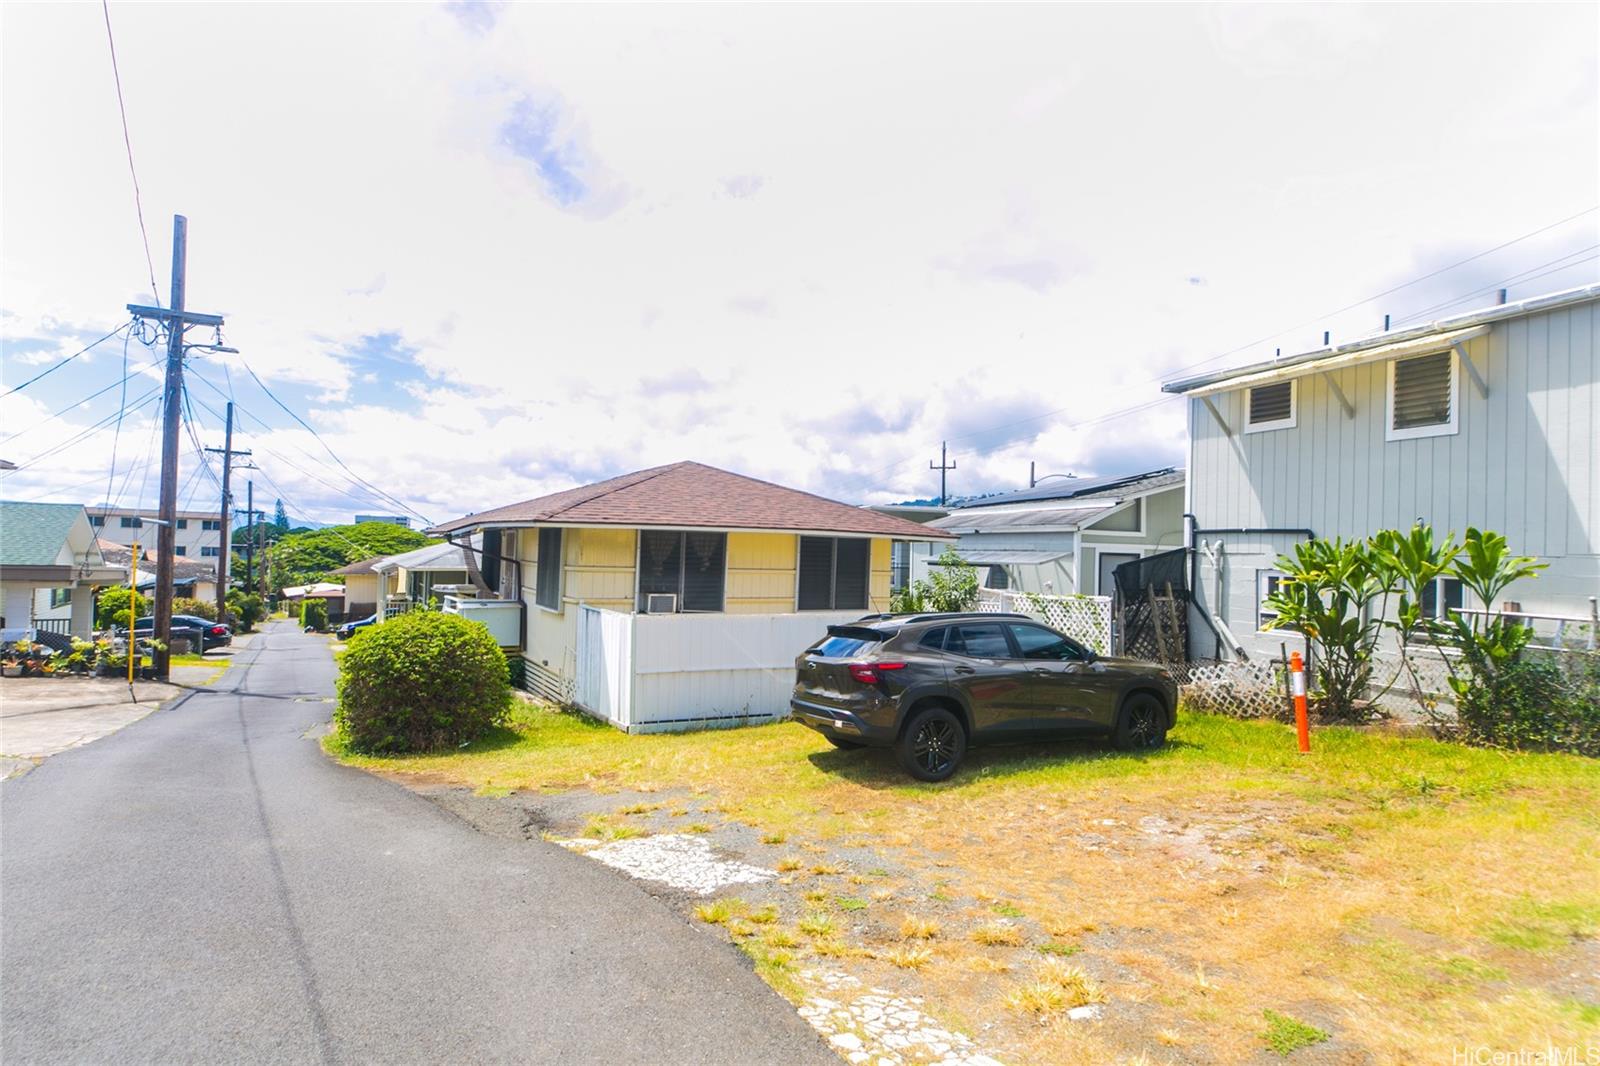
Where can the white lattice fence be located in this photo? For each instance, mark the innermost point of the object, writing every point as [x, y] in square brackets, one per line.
[1254, 688]
[1086, 619]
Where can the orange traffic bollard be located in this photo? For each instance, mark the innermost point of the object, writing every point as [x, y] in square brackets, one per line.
[1297, 688]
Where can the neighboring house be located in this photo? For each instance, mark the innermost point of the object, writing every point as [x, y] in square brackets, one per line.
[48, 555]
[1485, 419]
[679, 596]
[331, 593]
[903, 552]
[410, 577]
[197, 534]
[193, 578]
[362, 587]
[1067, 535]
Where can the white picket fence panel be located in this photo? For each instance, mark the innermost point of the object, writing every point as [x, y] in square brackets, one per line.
[1086, 619]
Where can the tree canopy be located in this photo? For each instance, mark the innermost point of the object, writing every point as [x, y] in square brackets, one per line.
[304, 557]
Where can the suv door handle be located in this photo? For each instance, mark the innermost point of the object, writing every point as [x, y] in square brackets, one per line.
[964, 670]
[1041, 671]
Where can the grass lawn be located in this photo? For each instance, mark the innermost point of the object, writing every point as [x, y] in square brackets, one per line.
[1225, 896]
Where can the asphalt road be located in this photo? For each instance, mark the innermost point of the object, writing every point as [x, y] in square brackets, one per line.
[207, 886]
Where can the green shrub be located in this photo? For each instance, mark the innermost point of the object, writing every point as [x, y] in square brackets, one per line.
[314, 614]
[420, 682]
[246, 608]
[951, 586]
[198, 608]
[1531, 703]
[112, 607]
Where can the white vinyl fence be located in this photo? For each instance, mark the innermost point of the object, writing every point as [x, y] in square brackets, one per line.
[1086, 619]
[649, 673]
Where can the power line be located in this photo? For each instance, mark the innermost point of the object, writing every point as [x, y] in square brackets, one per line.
[379, 493]
[1533, 273]
[64, 362]
[79, 403]
[127, 143]
[83, 435]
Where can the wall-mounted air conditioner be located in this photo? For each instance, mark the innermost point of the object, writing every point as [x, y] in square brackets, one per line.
[661, 603]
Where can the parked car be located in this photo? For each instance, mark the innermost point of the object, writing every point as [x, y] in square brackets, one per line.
[216, 634]
[346, 631]
[202, 633]
[930, 685]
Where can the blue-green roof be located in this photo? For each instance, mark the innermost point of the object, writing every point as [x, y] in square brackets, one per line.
[33, 534]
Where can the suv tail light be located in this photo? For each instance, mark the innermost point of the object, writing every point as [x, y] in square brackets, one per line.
[871, 673]
[217, 631]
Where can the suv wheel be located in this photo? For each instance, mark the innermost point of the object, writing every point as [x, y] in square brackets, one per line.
[932, 745]
[1142, 725]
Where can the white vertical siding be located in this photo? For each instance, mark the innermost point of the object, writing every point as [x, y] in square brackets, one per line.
[1525, 462]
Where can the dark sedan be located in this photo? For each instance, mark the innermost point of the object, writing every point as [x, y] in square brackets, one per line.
[202, 633]
[929, 685]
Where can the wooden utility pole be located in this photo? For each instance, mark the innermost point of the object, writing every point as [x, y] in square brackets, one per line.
[250, 535]
[177, 320]
[225, 557]
[942, 468]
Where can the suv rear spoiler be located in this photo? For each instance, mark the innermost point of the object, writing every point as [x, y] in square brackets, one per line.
[857, 632]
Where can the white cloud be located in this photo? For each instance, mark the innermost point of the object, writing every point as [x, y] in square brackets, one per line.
[804, 243]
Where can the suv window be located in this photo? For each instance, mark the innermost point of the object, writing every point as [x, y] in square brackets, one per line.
[985, 640]
[933, 638]
[1036, 642]
[840, 647]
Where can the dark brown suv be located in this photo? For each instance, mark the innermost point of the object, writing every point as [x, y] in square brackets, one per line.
[928, 685]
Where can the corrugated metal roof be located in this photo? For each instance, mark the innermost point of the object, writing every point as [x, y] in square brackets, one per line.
[1078, 489]
[1006, 556]
[973, 520]
[444, 556]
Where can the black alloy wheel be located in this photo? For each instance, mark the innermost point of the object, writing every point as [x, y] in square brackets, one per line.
[1142, 725]
[932, 745]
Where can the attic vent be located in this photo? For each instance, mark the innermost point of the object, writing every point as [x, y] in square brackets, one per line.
[1272, 405]
[1422, 392]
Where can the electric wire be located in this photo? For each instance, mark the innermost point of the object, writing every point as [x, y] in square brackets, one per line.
[61, 363]
[76, 404]
[127, 143]
[82, 435]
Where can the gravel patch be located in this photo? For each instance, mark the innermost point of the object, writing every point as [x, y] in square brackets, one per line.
[686, 863]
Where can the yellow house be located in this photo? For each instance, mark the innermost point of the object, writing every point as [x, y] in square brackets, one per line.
[679, 596]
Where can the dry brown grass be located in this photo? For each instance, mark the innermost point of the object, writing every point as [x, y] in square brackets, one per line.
[1355, 878]
[917, 927]
[997, 934]
[905, 957]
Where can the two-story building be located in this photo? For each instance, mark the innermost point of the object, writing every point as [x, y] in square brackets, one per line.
[1488, 419]
[197, 534]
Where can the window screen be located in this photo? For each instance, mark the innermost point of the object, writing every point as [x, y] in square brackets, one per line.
[1271, 403]
[1422, 391]
[547, 582]
[833, 573]
[690, 566]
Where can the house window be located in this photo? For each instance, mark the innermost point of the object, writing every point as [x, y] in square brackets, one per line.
[97, 520]
[131, 522]
[997, 578]
[183, 523]
[1442, 596]
[210, 525]
[210, 551]
[60, 597]
[547, 587]
[833, 573]
[1268, 583]
[690, 566]
[181, 550]
[1270, 407]
[1422, 397]
[899, 565]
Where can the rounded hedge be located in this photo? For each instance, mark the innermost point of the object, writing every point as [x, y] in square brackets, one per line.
[421, 681]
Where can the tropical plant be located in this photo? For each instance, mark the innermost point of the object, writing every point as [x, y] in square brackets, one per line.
[247, 608]
[111, 609]
[309, 556]
[952, 585]
[199, 608]
[1327, 593]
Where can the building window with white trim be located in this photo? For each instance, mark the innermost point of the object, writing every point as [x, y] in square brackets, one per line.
[1270, 407]
[210, 551]
[1442, 597]
[1423, 397]
[1268, 582]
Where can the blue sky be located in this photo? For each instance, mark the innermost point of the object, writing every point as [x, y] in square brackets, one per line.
[491, 250]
